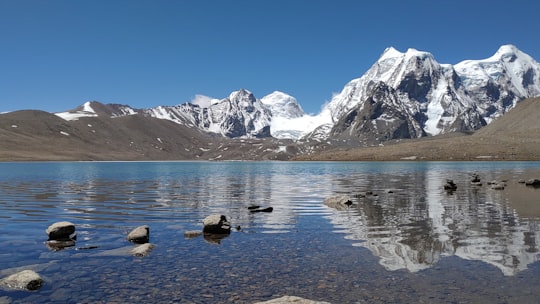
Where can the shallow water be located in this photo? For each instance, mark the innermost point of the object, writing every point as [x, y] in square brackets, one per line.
[409, 242]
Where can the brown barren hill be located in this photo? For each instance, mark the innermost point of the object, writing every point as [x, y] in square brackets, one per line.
[36, 135]
[32, 135]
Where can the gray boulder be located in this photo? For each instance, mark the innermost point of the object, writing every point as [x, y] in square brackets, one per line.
[61, 231]
[291, 300]
[139, 235]
[533, 182]
[339, 202]
[24, 280]
[498, 186]
[216, 224]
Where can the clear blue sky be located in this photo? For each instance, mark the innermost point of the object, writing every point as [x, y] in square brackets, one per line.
[56, 54]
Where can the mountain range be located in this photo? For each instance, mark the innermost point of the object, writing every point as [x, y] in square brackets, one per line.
[402, 96]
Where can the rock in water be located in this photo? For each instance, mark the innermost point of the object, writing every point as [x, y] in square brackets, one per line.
[139, 235]
[498, 186]
[142, 250]
[291, 300]
[533, 182]
[450, 186]
[24, 280]
[217, 224]
[475, 178]
[60, 231]
[267, 209]
[339, 202]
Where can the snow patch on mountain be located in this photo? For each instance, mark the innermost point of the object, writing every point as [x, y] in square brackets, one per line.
[204, 101]
[122, 110]
[282, 105]
[288, 118]
[296, 128]
[84, 110]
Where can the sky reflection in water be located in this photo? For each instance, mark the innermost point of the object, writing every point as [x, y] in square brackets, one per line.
[410, 224]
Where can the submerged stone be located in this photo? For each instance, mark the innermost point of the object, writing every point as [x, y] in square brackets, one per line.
[57, 245]
[339, 202]
[190, 234]
[24, 280]
[498, 186]
[291, 300]
[142, 250]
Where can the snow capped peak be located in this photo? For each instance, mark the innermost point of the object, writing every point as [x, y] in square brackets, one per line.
[288, 118]
[241, 94]
[505, 53]
[414, 53]
[277, 97]
[282, 105]
[391, 68]
[509, 67]
[507, 49]
[87, 107]
[390, 52]
[84, 110]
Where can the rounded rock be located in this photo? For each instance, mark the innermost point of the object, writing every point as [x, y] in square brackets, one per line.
[217, 224]
[24, 280]
[290, 300]
[139, 235]
[60, 231]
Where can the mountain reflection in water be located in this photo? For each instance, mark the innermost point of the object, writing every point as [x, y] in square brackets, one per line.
[411, 222]
[416, 242]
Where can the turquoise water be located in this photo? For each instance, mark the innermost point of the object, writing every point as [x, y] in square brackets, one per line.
[410, 242]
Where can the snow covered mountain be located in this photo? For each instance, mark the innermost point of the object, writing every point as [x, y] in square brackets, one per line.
[240, 114]
[410, 95]
[282, 105]
[403, 95]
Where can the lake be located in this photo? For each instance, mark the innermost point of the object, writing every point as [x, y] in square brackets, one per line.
[404, 240]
